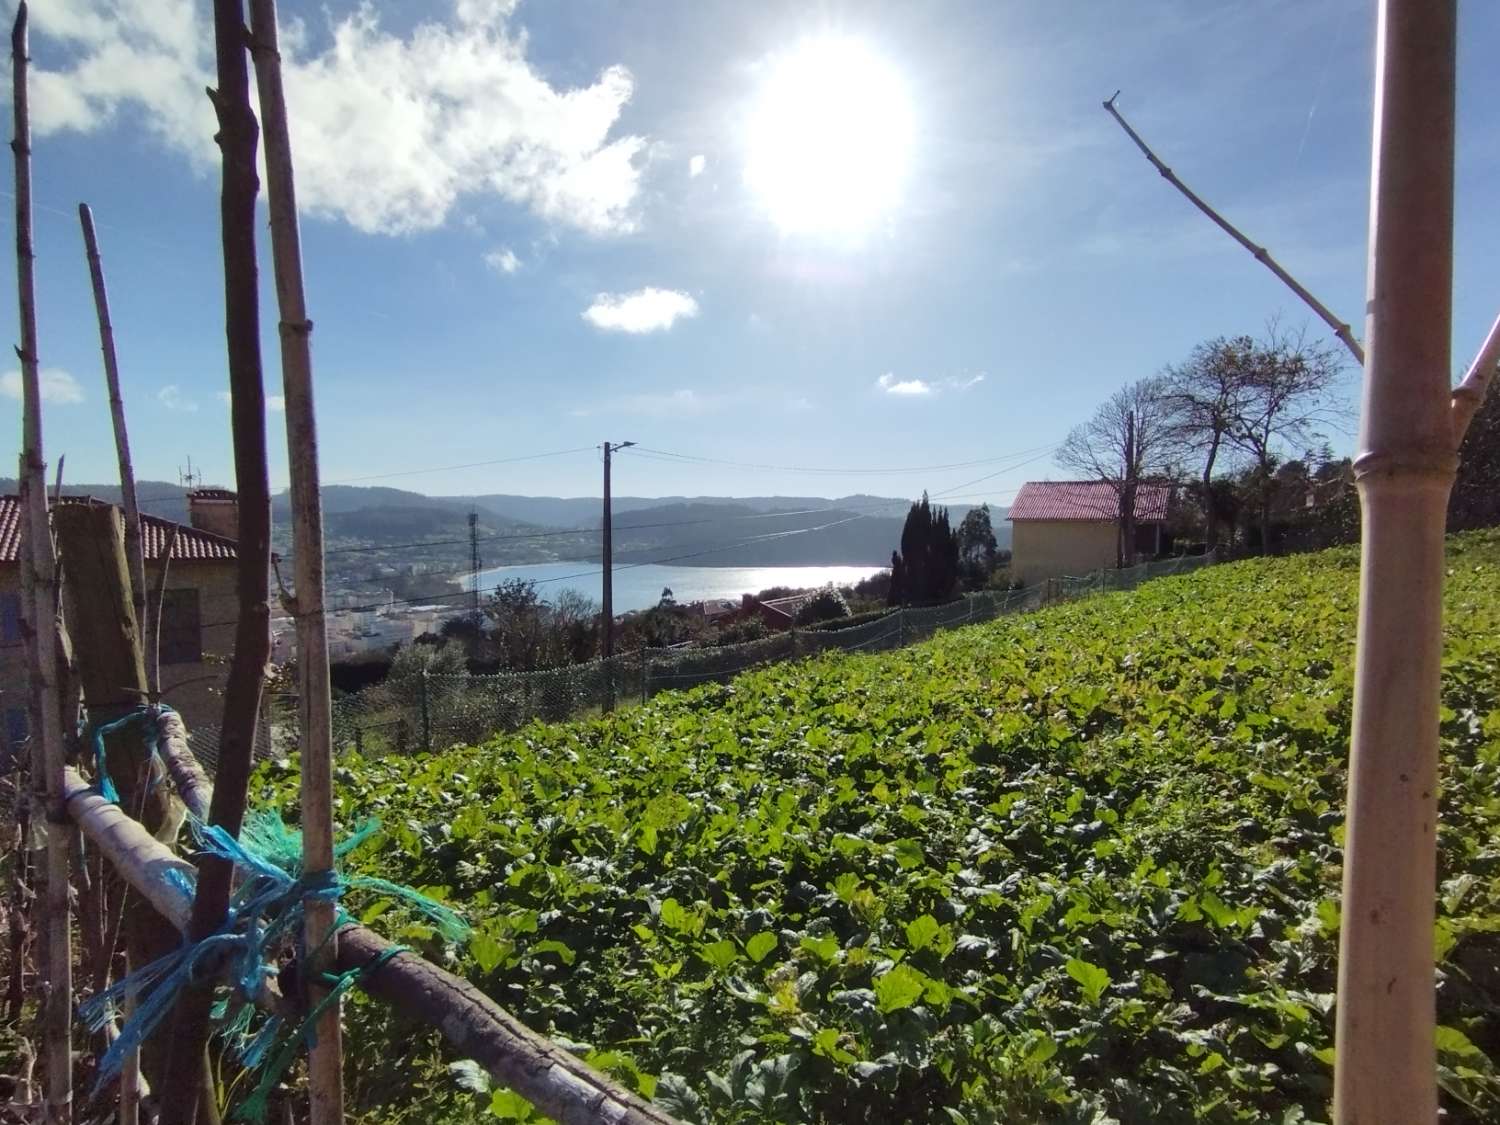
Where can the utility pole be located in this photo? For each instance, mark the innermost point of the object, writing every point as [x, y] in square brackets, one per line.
[474, 565]
[1127, 496]
[607, 644]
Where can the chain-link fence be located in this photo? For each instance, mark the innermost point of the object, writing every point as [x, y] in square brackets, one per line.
[1127, 578]
[427, 711]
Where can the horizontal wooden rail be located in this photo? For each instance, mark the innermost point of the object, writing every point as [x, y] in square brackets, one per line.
[559, 1084]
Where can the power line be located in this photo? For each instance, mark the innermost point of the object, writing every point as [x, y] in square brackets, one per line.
[469, 465]
[658, 454]
[989, 476]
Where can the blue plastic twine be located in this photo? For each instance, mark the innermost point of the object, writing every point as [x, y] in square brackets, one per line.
[265, 911]
[147, 712]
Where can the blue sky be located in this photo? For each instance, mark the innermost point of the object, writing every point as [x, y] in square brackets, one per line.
[492, 197]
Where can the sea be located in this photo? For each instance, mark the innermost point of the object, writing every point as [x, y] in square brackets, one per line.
[640, 586]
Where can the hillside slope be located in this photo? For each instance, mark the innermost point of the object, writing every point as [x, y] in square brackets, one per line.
[1076, 866]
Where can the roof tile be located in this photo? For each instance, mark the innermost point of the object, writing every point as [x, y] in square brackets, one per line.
[193, 544]
[1086, 500]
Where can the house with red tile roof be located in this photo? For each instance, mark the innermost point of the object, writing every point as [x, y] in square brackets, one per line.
[199, 609]
[1072, 527]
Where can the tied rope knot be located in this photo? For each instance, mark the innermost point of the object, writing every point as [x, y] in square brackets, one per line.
[265, 918]
[147, 714]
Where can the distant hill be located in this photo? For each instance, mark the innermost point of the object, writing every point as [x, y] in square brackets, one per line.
[362, 522]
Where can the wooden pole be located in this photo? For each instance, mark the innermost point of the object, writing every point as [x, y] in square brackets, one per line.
[325, 1056]
[112, 669]
[1385, 1066]
[38, 558]
[238, 138]
[134, 551]
[1261, 255]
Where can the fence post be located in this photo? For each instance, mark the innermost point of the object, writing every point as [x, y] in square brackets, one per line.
[359, 741]
[426, 716]
[645, 673]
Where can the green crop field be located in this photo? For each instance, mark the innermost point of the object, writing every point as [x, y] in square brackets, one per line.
[1077, 866]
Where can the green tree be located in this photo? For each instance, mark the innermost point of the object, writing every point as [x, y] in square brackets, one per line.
[925, 570]
[827, 604]
[518, 624]
[977, 549]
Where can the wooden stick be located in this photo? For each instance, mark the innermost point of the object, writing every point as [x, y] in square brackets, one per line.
[41, 623]
[325, 1057]
[237, 139]
[559, 1084]
[134, 549]
[1468, 396]
[111, 667]
[1385, 1070]
[1340, 329]
[153, 617]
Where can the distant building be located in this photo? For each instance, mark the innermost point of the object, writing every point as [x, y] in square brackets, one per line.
[779, 613]
[716, 609]
[199, 610]
[1073, 527]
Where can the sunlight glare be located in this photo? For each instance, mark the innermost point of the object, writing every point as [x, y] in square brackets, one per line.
[829, 139]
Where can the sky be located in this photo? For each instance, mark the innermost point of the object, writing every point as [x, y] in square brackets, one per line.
[898, 244]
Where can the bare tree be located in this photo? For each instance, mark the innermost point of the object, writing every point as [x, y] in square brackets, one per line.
[1129, 439]
[1288, 397]
[1206, 396]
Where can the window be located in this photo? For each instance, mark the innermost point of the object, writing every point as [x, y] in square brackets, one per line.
[181, 627]
[10, 618]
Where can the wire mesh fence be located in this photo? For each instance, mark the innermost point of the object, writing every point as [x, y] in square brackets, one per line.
[428, 711]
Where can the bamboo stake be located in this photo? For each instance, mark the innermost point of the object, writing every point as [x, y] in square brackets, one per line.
[1261, 255]
[134, 551]
[325, 1056]
[1385, 1066]
[1468, 396]
[41, 611]
[237, 139]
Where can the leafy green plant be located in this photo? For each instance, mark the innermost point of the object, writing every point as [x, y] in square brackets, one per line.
[1075, 866]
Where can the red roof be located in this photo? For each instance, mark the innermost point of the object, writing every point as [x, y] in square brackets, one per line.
[193, 544]
[1086, 500]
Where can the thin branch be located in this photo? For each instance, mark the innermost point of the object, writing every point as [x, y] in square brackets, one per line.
[1340, 328]
[238, 138]
[1468, 396]
[41, 609]
[152, 625]
[134, 549]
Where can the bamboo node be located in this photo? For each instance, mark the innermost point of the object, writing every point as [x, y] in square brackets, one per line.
[1435, 462]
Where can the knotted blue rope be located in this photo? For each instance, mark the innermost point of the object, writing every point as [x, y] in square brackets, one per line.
[265, 914]
[147, 712]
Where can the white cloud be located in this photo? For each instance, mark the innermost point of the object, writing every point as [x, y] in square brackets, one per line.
[696, 166]
[916, 388]
[57, 386]
[275, 404]
[893, 386]
[172, 398]
[645, 310]
[388, 131]
[503, 260]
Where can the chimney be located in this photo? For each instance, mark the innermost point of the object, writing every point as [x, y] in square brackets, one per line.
[216, 510]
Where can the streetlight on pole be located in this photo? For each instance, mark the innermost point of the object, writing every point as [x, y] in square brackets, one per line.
[607, 646]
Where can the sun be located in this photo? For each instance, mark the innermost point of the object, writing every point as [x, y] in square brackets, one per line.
[829, 138]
